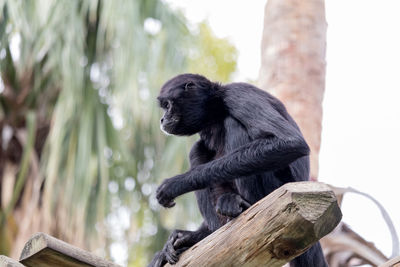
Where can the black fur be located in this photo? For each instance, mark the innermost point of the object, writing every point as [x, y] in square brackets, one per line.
[249, 146]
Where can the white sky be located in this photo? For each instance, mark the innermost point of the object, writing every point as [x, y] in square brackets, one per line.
[361, 127]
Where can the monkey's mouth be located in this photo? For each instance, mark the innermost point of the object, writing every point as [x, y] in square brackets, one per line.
[169, 127]
[164, 129]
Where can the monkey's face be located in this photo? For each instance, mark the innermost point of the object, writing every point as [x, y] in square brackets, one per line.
[185, 101]
[171, 117]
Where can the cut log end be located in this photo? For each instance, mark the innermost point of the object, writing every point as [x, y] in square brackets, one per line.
[271, 232]
[46, 251]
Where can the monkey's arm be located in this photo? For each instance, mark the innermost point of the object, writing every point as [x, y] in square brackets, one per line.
[255, 157]
[181, 240]
[199, 154]
[266, 154]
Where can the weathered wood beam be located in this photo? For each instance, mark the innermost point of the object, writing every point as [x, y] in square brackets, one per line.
[271, 232]
[8, 262]
[395, 262]
[46, 251]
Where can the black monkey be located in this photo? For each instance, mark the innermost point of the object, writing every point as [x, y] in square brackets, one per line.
[249, 146]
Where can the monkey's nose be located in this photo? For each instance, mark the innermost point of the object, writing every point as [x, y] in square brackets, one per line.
[162, 120]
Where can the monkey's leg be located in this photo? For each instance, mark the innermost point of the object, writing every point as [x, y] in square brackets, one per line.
[158, 260]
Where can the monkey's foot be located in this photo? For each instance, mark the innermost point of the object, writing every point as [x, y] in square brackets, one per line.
[178, 242]
[231, 205]
[159, 260]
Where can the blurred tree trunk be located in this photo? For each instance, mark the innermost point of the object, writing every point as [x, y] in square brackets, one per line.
[293, 69]
[293, 63]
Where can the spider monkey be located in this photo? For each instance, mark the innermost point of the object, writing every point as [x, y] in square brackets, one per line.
[249, 146]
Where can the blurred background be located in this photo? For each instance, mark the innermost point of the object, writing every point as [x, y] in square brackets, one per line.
[81, 151]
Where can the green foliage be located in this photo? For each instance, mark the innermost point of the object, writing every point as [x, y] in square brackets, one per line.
[89, 72]
[213, 57]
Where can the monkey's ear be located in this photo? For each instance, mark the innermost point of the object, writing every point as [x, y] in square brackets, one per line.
[189, 85]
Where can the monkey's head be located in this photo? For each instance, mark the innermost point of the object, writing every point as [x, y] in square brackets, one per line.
[190, 102]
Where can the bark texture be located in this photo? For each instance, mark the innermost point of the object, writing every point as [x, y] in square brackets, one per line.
[46, 251]
[271, 232]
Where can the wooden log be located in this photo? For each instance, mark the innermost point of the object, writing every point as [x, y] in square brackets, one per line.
[8, 262]
[46, 251]
[395, 262]
[271, 232]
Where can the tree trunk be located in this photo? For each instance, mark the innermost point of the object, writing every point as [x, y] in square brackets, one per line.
[293, 69]
[293, 64]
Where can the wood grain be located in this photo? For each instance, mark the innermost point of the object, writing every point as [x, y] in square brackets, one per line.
[395, 262]
[45, 251]
[273, 231]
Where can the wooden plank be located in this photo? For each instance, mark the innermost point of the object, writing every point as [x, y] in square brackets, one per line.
[271, 232]
[395, 262]
[46, 251]
[8, 262]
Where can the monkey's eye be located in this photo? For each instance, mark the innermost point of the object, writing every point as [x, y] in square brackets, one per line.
[165, 104]
[189, 85]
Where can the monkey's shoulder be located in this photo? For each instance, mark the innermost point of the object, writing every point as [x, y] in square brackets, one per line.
[260, 113]
[247, 92]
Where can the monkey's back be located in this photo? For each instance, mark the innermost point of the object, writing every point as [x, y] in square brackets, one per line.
[255, 187]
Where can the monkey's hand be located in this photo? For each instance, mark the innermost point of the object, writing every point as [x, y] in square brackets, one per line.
[170, 189]
[231, 205]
